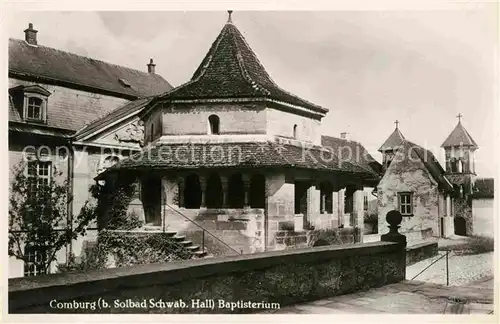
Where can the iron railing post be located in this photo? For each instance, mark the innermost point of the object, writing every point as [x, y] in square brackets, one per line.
[203, 240]
[447, 269]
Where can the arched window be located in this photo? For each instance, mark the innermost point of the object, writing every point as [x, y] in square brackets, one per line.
[295, 131]
[214, 122]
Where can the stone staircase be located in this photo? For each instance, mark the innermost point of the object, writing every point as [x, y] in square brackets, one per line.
[197, 250]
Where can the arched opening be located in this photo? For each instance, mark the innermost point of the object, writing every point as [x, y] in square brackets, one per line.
[453, 163]
[460, 226]
[236, 191]
[192, 192]
[214, 123]
[258, 191]
[214, 191]
[295, 131]
[326, 194]
[151, 199]
[459, 166]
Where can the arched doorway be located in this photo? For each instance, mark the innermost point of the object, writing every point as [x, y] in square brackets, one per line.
[258, 191]
[214, 191]
[236, 191]
[460, 226]
[192, 192]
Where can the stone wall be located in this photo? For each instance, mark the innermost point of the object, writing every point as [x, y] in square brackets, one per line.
[281, 123]
[483, 215]
[283, 278]
[422, 251]
[234, 119]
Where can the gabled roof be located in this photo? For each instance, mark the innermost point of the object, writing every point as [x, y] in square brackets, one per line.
[128, 110]
[351, 151]
[483, 188]
[56, 65]
[235, 155]
[459, 137]
[431, 163]
[393, 142]
[231, 70]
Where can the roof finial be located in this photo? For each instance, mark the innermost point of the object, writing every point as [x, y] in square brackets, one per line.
[459, 116]
[397, 123]
[229, 20]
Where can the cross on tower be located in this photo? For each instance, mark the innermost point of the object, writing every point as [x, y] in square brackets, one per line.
[229, 17]
[459, 116]
[397, 123]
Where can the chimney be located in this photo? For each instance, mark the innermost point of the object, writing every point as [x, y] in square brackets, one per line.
[344, 135]
[30, 35]
[151, 67]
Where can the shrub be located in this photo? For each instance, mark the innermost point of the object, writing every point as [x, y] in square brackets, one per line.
[474, 245]
[371, 218]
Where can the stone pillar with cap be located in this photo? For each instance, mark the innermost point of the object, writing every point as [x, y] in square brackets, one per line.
[394, 219]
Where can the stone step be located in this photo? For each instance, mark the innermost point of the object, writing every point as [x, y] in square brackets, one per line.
[186, 243]
[193, 248]
[201, 254]
[179, 238]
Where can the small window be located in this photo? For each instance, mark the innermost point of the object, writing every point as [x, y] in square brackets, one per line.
[405, 200]
[295, 131]
[32, 262]
[214, 122]
[34, 109]
[152, 132]
[365, 202]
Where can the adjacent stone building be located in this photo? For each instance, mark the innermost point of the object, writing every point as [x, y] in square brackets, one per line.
[435, 202]
[414, 183]
[74, 114]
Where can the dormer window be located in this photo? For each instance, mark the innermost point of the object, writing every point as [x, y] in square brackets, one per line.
[34, 110]
[214, 123]
[31, 102]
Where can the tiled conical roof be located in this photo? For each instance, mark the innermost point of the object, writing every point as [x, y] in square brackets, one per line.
[232, 70]
[393, 142]
[459, 137]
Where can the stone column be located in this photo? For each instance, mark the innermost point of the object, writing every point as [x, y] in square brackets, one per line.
[335, 209]
[246, 183]
[203, 185]
[358, 210]
[225, 184]
[341, 197]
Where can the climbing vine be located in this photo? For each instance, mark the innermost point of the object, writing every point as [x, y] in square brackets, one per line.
[119, 243]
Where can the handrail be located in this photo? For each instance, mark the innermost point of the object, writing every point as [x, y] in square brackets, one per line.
[442, 256]
[204, 230]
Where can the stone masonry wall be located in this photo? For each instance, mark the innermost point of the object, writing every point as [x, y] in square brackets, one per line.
[281, 278]
[234, 119]
[281, 123]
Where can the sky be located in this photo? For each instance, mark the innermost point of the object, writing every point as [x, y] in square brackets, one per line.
[369, 68]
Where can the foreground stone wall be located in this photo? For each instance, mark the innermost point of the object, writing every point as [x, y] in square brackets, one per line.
[284, 277]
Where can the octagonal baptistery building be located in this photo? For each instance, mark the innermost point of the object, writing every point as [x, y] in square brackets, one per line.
[231, 153]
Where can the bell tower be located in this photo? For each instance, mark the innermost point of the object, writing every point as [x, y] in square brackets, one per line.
[391, 145]
[459, 148]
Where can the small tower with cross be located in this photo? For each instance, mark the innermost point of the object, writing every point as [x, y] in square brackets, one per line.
[460, 148]
[391, 145]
